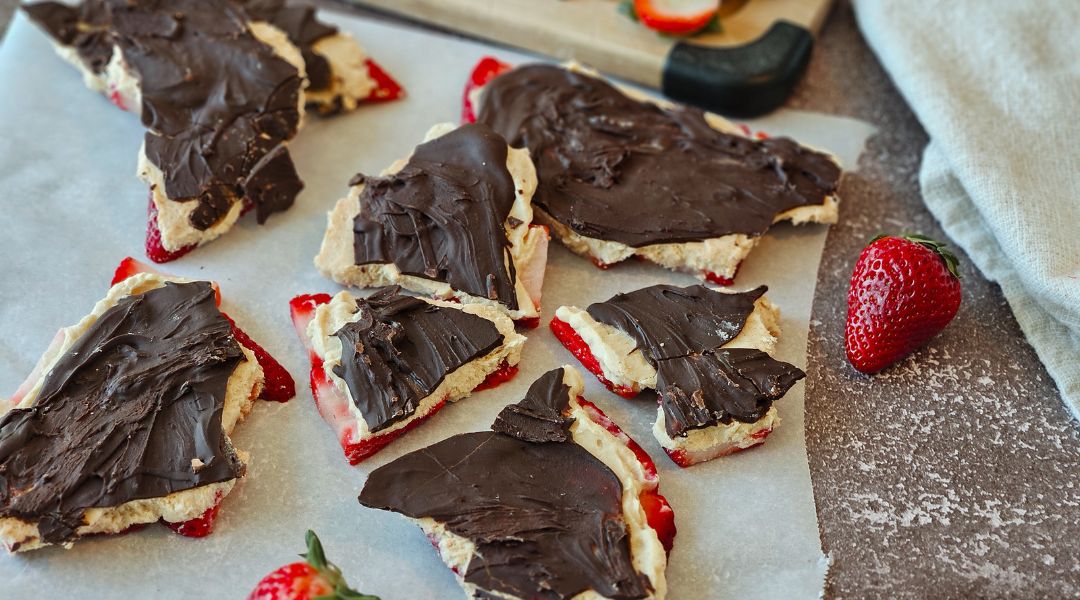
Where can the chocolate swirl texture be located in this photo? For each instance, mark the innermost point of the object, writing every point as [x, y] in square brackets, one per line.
[618, 169]
[123, 413]
[681, 331]
[442, 216]
[539, 417]
[546, 517]
[401, 348]
[215, 100]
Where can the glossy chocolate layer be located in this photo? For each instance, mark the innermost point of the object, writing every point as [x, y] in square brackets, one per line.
[546, 518]
[613, 168]
[539, 417]
[668, 321]
[401, 348]
[303, 29]
[215, 100]
[442, 216]
[718, 386]
[124, 412]
[681, 332]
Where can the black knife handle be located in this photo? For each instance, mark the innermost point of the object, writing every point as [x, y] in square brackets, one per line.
[740, 81]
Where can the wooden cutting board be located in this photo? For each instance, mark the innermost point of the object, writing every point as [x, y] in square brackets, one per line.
[747, 68]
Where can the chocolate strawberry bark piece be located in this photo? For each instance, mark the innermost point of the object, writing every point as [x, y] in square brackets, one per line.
[705, 352]
[622, 176]
[553, 502]
[126, 421]
[453, 221]
[340, 75]
[220, 92]
[382, 365]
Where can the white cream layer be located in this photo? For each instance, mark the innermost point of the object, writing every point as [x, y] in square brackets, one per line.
[646, 551]
[528, 245]
[349, 80]
[243, 388]
[458, 384]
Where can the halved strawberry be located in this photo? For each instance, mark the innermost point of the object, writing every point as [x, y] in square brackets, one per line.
[154, 250]
[676, 17]
[278, 385]
[487, 69]
[658, 512]
[315, 578]
[386, 88]
[581, 351]
[200, 526]
[505, 373]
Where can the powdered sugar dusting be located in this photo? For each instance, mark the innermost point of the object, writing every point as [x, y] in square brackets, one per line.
[955, 473]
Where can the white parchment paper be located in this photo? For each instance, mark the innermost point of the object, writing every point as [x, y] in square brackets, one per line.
[72, 209]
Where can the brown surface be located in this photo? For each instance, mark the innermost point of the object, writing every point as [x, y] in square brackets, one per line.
[955, 474]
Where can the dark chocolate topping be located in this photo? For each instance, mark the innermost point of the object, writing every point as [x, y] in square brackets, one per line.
[668, 321]
[681, 331]
[539, 417]
[546, 518]
[123, 413]
[614, 168]
[401, 348]
[701, 390]
[441, 217]
[303, 29]
[215, 99]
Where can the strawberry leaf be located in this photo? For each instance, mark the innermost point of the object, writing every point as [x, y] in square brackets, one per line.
[317, 558]
[951, 262]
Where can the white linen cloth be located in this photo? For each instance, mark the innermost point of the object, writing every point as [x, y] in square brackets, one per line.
[996, 84]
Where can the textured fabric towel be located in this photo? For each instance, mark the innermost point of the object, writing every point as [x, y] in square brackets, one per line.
[996, 84]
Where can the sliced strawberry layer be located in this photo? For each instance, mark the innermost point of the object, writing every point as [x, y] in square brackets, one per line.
[684, 459]
[356, 452]
[657, 510]
[278, 385]
[720, 279]
[154, 250]
[601, 264]
[200, 526]
[528, 322]
[577, 346]
[332, 404]
[117, 99]
[386, 88]
[504, 373]
[487, 69]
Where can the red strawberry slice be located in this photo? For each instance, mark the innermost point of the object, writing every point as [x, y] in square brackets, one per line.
[386, 88]
[657, 510]
[278, 385]
[504, 373]
[154, 250]
[129, 267]
[676, 17]
[904, 291]
[314, 578]
[581, 351]
[720, 279]
[331, 403]
[200, 526]
[487, 69]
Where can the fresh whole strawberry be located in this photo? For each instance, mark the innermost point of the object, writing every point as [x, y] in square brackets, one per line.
[314, 579]
[676, 17]
[904, 291]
